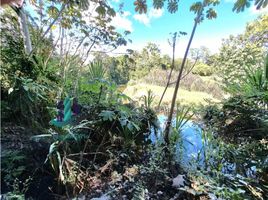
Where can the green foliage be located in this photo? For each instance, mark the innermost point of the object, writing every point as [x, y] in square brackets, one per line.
[155, 168]
[146, 60]
[26, 83]
[240, 118]
[182, 116]
[141, 6]
[139, 192]
[99, 91]
[105, 124]
[228, 168]
[244, 53]
[109, 122]
[120, 68]
[203, 69]
[256, 80]
[148, 99]
[173, 6]
[240, 5]
[96, 71]
[9, 169]
[158, 4]
[201, 54]
[237, 166]
[24, 98]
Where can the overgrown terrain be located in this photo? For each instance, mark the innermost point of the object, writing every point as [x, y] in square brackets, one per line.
[78, 123]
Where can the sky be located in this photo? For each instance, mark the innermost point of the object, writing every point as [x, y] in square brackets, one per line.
[156, 25]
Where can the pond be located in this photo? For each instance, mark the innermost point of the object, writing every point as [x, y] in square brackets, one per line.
[191, 148]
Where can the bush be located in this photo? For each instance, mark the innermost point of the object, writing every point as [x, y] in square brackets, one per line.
[190, 82]
[240, 117]
[203, 69]
[27, 83]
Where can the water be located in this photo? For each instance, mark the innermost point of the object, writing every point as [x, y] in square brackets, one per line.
[190, 151]
[189, 148]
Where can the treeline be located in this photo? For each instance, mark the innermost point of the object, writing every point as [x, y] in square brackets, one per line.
[246, 50]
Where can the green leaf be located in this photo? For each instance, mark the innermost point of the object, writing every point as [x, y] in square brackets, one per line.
[53, 11]
[173, 6]
[211, 14]
[140, 6]
[111, 12]
[38, 137]
[240, 5]
[136, 126]
[26, 88]
[107, 115]
[101, 10]
[261, 3]
[158, 4]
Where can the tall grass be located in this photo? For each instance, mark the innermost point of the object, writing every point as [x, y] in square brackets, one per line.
[96, 70]
[190, 82]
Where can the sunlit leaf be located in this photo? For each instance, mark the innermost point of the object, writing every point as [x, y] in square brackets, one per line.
[140, 6]
[158, 4]
[173, 6]
[101, 10]
[211, 14]
[261, 3]
[196, 7]
[240, 5]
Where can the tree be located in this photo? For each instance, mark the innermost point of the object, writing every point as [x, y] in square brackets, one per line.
[243, 52]
[173, 44]
[120, 68]
[18, 8]
[25, 83]
[203, 54]
[147, 59]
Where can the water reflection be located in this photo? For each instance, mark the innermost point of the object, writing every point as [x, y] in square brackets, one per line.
[191, 149]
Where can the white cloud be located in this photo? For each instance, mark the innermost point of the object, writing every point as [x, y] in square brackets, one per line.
[126, 13]
[142, 18]
[122, 22]
[254, 11]
[116, 1]
[146, 18]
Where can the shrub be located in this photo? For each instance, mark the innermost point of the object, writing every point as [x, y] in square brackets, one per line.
[203, 69]
[26, 82]
[190, 82]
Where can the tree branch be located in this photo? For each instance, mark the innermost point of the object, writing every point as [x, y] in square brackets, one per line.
[49, 27]
[172, 68]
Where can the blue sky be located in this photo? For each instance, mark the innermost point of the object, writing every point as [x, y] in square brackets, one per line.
[156, 25]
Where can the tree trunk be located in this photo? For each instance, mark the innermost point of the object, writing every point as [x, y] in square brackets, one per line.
[172, 67]
[169, 120]
[24, 30]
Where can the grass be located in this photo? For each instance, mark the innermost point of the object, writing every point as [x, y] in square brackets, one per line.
[185, 97]
[192, 82]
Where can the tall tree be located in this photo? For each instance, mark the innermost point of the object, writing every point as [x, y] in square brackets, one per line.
[243, 52]
[199, 8]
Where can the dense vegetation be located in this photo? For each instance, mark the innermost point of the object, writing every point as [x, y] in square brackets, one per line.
[74, 127]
